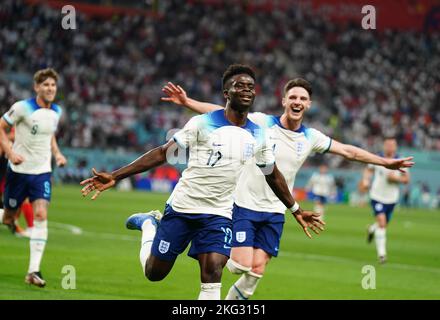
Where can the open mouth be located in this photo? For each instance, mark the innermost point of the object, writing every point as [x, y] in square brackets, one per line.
[246, 98]
[297, 110]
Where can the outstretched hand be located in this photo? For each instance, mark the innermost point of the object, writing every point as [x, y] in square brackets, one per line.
[175, 94]
[310, 219]
[399, 164]
[101, 181]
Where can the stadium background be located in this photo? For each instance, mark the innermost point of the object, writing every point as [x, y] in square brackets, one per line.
[367, 83]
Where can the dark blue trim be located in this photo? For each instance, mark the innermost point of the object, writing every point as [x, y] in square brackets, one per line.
[217, 119]
[33, 103]
[381, 154]
[329, 145]
[265, 165]
[277, 121]
[8, 120]
[179, 144]
[240, 294]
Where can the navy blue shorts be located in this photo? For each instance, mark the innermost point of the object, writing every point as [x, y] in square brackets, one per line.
[379, 208]
[257, 229]
[19, 186]
[319, 198]
[206, 232]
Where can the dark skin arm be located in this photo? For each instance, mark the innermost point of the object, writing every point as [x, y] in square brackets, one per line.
[307, 219]
[102, 181]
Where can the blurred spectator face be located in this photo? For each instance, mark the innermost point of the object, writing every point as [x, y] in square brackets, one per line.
[240, 92]
[390, 147]
[323, 169]
[46, 90]
[295, 102]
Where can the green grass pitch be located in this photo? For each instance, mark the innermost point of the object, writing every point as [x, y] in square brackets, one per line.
[105, 255]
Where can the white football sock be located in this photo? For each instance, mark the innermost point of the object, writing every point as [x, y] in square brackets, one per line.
[236, 268]
[148, 233]
[319, 210]
[1, 215]
[244, 287]
[372, 228]
[37, 244]
[381, 240]
[210, 291]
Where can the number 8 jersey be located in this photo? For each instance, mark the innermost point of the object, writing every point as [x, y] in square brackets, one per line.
[34, 128]
[218, 151]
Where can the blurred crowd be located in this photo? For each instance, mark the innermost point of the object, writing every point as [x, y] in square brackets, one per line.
[366, 83]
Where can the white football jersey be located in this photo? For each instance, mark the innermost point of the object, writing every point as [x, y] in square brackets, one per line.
[218, 151]
[291, 149]
[381, 189]
[322, 184]
[34, 128]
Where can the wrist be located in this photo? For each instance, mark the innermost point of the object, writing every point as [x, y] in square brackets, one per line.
[295, 209]
[114, 175]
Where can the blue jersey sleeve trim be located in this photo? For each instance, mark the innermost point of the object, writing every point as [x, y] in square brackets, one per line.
[329, 145]
[260, 165]
[179, 143]
[8, 120]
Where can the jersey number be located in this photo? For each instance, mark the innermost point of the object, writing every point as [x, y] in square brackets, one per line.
[228, 235]
[215, 157]
[34, 129]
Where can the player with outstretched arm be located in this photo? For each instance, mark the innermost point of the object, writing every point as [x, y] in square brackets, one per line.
[199, 210]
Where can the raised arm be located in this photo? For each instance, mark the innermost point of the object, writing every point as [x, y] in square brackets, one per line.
[357, 154]
[177, 95]
[102, 181]
[306, 219]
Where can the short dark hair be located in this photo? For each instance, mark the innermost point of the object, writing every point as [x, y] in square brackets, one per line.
[235, 69]
[389, 137]
[43, 74]
[298, 82]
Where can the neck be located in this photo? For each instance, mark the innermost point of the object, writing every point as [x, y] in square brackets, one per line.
[389, 155]
[43, 103]
[289, 123]
[237, 118]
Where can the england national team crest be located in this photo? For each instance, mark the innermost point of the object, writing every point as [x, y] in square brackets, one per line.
[12, 203]
[241, 236]
[378, 207]
[248, 151]
[299, 148]
[164, 246]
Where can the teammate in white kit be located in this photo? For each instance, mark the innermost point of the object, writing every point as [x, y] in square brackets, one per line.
[258, 215]
[199, 210]
[29, 169]
[384, 195]
[322, 185]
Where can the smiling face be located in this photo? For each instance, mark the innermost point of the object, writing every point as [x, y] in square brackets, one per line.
[240, 91]
[295, 102]
[46, 90]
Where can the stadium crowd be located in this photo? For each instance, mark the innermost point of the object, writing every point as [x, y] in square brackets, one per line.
[366, 83]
